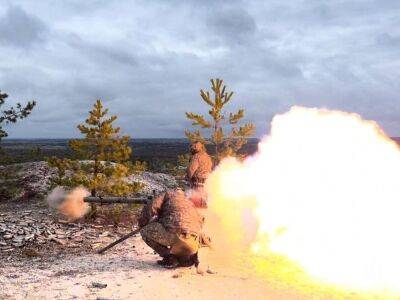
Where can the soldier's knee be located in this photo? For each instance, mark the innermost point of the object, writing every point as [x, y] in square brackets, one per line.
[144, 234]
[149, 242]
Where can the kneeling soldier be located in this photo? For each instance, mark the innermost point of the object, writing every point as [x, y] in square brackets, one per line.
[176, 233]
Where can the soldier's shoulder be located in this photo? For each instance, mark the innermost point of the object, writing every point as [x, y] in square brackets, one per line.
[196, 155]
[205, 155]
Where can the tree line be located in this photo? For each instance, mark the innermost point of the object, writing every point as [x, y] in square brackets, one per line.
[101, 157]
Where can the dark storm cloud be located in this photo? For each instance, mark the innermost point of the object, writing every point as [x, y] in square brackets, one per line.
[101, 53]
[147, 60]
[20, 29]
[233, 25]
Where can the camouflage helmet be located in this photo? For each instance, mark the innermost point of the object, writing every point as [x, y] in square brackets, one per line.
[196, 147]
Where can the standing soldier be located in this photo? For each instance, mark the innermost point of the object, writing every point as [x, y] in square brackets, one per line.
[199, 168]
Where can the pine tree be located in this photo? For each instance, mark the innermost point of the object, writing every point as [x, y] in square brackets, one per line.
[225, 144]
[103, 157]
[12, 115]
[8, 188]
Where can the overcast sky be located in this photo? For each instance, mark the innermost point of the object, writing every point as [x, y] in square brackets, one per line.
[147, 60]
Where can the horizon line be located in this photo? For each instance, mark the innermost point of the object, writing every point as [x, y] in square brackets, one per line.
[137, 138]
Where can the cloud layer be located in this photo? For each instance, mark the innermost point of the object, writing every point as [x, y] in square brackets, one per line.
[148, 59]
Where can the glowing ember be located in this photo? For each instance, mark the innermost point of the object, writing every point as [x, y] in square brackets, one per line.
[324, 191]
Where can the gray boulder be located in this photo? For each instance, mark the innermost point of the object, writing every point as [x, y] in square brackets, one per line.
[157, 182]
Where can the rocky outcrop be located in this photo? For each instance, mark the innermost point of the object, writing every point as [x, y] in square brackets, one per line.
[36, 228]
[33, 179]
[24, 229]
[20, 228]
[26, 180]
[157, 182]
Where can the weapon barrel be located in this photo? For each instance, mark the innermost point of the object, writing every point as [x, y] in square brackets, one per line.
[110, 200]
[127, 236]
[102, 250]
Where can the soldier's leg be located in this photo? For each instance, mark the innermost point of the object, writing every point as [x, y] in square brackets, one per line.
[158, 238]
[185, 249]
[199, 196]
[189, 260]
[157, 247]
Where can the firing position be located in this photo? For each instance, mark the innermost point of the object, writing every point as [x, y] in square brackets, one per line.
[173, 228]
[199, 168]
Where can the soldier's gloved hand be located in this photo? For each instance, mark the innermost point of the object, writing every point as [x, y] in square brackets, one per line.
[142, 221]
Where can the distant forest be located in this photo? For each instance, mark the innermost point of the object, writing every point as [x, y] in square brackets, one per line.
[156, 152]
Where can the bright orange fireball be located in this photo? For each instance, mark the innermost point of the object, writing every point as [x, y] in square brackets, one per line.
[324, 191]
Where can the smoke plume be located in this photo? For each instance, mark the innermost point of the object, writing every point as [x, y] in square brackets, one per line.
[69, 203]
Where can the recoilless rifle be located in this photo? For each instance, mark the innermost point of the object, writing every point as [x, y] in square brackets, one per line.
[113, 200]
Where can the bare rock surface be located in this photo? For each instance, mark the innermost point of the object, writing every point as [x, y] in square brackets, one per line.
[30, 179]
[34, 179]
[21, 229]
[28, 229]
[157, 182]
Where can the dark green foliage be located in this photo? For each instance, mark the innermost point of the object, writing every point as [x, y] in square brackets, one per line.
[8, 186]
[12, 114]
[224, 143]
[9, 182]
[103, 157]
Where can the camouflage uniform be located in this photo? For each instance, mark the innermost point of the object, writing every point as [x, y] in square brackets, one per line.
[178, 227]
[199, 168]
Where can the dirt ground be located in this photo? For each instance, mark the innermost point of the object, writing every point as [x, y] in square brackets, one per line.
[67, 267]
[130, 272]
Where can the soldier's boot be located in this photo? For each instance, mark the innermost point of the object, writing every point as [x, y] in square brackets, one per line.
[195, 259]
[172, 262]
[185, 261]
[188, 261]
[162, 261]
